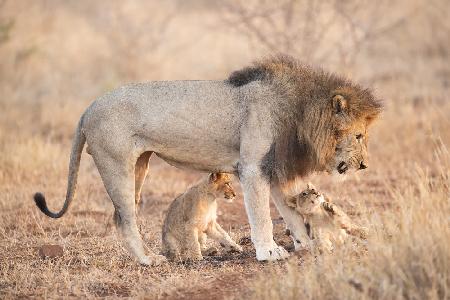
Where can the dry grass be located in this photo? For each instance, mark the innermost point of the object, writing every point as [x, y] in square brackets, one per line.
[49, 73]
[406, 257]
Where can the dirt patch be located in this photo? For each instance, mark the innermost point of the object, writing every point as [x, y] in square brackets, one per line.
[50, 251]
[102, 289]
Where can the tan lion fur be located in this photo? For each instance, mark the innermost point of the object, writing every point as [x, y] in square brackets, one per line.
[327, 223]
[269, 124]
[192, 217]
[324, 124]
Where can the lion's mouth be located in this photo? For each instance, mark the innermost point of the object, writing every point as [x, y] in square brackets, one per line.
[229, 198]
[342, 167]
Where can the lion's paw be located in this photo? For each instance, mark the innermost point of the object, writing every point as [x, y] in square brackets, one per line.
[304, 245]
[272, 253]
[154, 260]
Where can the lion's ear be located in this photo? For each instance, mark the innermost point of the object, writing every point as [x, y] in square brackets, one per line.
[213, 177]
[340, 104]
[310, 186]
[291, 202]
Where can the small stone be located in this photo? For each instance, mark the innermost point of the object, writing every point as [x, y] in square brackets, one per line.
[50, 251]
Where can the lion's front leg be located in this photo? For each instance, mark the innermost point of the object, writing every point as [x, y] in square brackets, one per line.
[256, 198]
[294, 221]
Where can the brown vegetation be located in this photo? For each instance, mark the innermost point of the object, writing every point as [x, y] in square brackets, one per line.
[58, 56]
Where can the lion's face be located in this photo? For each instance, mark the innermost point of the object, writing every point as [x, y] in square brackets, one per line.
[350, 152]
[307, 202]
[351, 137]
[222, 186]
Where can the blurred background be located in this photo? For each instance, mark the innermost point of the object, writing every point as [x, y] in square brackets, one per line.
[57, 56]
[74, 50]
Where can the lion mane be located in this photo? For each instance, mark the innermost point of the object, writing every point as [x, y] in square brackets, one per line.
[306, 122]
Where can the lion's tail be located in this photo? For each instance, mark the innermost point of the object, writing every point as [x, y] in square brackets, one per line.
[75, 156]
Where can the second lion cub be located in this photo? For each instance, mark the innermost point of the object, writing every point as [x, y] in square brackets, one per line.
[192, 217]
[326, 223]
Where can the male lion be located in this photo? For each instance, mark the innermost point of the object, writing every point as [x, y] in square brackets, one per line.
[192, 218]
[268, 124]
[326, 223]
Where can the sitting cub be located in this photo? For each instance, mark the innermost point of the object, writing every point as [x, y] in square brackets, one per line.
[192, 217]
[325, 222]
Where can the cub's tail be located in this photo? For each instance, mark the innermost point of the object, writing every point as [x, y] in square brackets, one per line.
[75, 156]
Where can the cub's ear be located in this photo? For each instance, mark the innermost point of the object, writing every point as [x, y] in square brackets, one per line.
[291, 202]
[310, 186]
[340, 104]
[213, 177]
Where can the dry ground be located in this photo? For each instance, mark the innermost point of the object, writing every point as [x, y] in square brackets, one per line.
[49, 73]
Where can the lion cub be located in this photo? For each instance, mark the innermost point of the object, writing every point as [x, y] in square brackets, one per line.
[326, 223]
[192, 217]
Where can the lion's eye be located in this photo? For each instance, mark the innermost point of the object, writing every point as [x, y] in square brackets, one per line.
[304, 193]
[359, 136]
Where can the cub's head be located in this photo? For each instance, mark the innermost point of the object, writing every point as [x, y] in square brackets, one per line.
[307, 202]
[353, 110]
[221, 186]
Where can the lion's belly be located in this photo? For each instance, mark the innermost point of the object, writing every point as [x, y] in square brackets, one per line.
[194, 159]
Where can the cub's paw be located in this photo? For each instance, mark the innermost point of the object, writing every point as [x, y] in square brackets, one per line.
[303, 245]
[274, 252]
[210, 251]
[234, 248]
[237, 248]
[191, 257]
[153, 260]
[363, 232]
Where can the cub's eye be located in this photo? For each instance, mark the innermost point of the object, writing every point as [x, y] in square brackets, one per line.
[359, 136]
[304, 193]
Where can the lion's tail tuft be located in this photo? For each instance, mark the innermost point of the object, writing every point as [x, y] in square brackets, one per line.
[39, 199]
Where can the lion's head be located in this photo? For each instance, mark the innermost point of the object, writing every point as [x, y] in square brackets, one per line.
[321, 119]
[353, 110]
[220, 184]
[307, 202]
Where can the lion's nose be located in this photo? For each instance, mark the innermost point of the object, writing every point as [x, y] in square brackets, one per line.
[362, 166]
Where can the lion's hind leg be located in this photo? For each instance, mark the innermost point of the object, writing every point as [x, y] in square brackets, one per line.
[191, 247]
[119, 181]
[140, 173]
[171, 247]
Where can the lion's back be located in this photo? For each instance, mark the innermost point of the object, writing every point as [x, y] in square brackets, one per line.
[166, 112]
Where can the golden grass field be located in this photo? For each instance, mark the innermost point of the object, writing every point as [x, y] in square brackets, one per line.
[57, 57]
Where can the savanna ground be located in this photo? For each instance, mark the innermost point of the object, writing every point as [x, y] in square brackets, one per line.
[56, 57]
